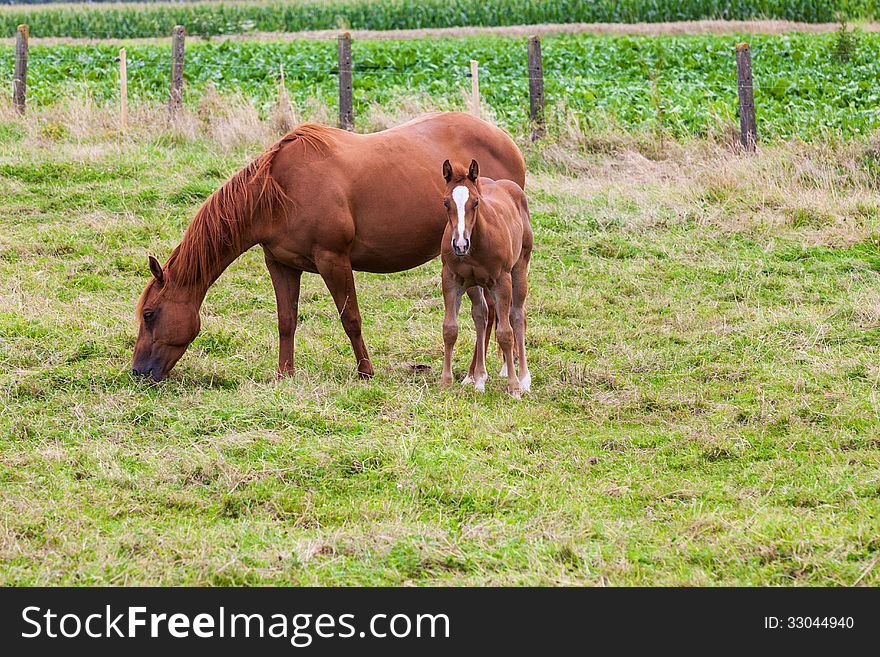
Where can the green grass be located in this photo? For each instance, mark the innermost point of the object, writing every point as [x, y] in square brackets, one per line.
[679, 85]
[703, 335]
[212, 18]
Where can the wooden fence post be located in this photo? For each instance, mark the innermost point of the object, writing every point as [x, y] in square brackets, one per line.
[175, 103]
[747, 120]
[282, 88]
[346, 106]
[123, 92]
[284, 98]
[284, 116]
[475, 88]
[19, 81]
[536, 89]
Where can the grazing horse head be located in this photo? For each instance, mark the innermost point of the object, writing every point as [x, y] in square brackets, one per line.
[462, 198]
[168, 310]
[169, 321]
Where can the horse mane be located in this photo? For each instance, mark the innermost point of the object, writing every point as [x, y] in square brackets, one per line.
[222, 219]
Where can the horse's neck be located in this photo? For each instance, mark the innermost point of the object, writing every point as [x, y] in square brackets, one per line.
[478, 232]
[197, 287]
[230, 222]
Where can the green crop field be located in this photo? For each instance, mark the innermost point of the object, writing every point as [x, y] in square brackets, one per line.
[211, 18]
[703, 333]
[684, 85]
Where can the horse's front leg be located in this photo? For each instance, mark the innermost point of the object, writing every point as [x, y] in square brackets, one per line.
[336, 271]
[480, 314]
[286, 282]
[452, 292]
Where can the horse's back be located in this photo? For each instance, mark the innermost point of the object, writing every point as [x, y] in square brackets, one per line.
[504, 161]
[458, 137]
[512, 208]
[513, 193]
[522, 203]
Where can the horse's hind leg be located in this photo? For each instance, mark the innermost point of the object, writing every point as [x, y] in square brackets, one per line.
[335, 269]
[491, 320]
[503, 293]
[286, 281]
[520, 279]
[480, 315]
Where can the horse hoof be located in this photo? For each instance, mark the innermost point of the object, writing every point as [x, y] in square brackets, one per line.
[525, 383]
[365, 374]
[516, 394]
[468, 380]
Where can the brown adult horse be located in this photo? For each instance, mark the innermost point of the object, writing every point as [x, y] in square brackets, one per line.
[319, 200]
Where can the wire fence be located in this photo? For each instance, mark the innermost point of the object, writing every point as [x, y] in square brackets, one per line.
[659, 87]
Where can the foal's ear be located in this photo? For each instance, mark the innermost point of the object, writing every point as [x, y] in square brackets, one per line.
[447, 171]
[156, 270]
[474, 171]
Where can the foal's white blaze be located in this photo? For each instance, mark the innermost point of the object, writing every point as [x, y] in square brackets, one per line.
[460, 196]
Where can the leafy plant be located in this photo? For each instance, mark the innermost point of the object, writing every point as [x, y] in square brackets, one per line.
[846, 43]
[211, 18]
[799, 89]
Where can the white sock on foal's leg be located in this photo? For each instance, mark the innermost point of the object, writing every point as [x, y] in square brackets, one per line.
[525, 383]
[503, 372]
[480, 383]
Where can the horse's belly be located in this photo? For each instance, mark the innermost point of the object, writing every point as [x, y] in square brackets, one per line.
[391, 258]
[389, 244]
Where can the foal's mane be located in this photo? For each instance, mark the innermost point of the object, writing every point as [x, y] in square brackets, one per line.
[224, 216]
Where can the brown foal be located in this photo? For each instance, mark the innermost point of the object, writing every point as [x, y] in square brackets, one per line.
[487, 246]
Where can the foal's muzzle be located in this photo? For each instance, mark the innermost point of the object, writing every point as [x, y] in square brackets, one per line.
[461, 251]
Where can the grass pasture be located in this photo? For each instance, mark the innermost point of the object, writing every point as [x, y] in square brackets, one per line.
[703, 337]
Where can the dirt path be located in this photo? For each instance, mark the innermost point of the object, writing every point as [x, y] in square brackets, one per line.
[683, 27]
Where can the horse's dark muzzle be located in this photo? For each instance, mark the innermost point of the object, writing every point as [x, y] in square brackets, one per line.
[151, 372]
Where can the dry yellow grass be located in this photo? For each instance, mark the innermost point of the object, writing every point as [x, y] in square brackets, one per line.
[821, 189]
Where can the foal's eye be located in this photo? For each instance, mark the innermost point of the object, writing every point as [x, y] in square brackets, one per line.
[446, 203]
[149, 315]
[476, 202]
